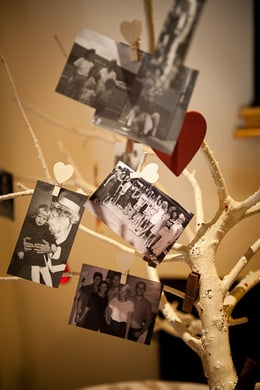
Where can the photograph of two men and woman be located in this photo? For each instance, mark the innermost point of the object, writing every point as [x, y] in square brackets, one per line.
[106, 303]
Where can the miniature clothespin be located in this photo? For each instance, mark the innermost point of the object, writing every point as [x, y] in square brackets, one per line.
[131, 31]
[191, 291]
[62, 173]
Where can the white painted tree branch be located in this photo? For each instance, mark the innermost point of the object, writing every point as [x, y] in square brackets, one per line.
[230, 278]
[79, 181]
[199, 213]
[192, 324]
[171, 316]
[83, 132]
[26, 120]
[237, 294]
[215, 172]
[13, 195]
[253, 210]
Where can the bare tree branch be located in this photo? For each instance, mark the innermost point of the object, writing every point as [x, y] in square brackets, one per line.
[27, 123]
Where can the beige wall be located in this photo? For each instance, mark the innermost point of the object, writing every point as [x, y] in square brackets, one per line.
[38, 349]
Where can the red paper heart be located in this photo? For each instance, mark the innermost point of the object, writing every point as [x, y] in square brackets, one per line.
[188, 143]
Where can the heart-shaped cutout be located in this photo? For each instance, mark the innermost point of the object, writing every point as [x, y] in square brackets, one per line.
[62, 172]
[125, 261]
[150, 173]
[131, 31]
[190, 138]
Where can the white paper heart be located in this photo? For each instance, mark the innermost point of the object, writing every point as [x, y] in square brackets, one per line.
[150, 173]
[125, 260]
[62, 172]
[131, 31]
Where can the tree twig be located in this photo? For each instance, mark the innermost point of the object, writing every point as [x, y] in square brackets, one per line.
[26, 120]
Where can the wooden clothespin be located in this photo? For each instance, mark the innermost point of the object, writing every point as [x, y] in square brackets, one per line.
[191, 291]
[131, 31]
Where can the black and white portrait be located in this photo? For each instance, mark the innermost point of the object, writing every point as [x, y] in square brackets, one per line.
[106, 303]
[47, 234]
[139, 212]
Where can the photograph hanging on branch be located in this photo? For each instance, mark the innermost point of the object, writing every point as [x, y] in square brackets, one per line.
[6, 187]
[123, 307]
[47, 234]
[139, 212]
[99, 72]
[151, 115]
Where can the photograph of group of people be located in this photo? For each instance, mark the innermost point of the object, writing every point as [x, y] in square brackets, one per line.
[139, 212]
[103, 304]
[47, 234]
[99, 72]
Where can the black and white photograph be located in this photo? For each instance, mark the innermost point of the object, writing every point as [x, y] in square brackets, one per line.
[173, 42]
[105, 304]
[152, 115]
[47, 234]
[139, 212]
[6, 187]
[159, 97]
[99, 73]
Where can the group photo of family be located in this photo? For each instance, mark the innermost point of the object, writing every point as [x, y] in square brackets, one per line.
[47, 235]
[103, 304]
[139, 212]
